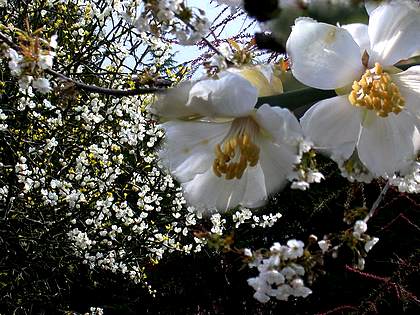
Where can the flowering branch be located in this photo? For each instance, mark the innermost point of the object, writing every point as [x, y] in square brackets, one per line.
[83, 86]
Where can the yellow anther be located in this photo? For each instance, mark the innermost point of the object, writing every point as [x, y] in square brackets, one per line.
[376, 91]
[238, 151]
[216, 168]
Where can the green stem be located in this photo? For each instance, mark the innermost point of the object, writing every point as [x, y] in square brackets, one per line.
[295, 99]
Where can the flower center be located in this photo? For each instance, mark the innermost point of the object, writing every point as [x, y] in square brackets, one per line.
[238, 150]
[376, 91]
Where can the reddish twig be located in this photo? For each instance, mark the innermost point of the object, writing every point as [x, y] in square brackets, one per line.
[339, 308]
[403, 217]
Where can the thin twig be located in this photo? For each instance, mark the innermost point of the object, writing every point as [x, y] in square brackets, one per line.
[377, 202]
[83, 86]
[205, 40]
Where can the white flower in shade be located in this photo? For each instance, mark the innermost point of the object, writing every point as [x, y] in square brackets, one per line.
[247, 252]
[370, 243]
[372, 126]
[15, 62]
[410, 182]
[295, 249]
[324, 245]
[42, 85]
[46, 61]
[359, 228]
[229, 153]
[53, 41]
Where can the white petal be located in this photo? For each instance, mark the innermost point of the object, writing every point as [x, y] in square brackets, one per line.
[262, 77]
[256, 193]
[279, 123]
[323, 56]
[359, 32]
[333, 125]
[173, 102]
[207, 191]
[371, 5]
[390, 144]
[277, 162]
[229, 96]
[189, 147]
[394, 32]
[409, 85]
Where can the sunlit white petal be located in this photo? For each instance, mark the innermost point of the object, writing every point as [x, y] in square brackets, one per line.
[333, 125]
[359, 32]
[281, 123]
[394, 31]
[323, 56]
[229, 96]
[409, 85]
[387, 145]
[277, 163]
[189, 146]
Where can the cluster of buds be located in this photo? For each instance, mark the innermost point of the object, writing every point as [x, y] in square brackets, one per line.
[306, 171]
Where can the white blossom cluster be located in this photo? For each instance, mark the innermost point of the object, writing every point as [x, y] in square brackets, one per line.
[170, 17]
[410, 182]
[305, 173]
[359, 232]
[95, 311]
[109, 185]
[91, 162]
[280, 276]
[29, 68]
[3, 118]
[246, 216]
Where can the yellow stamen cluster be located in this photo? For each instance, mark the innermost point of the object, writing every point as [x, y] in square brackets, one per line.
[225, 162]
[376, 91]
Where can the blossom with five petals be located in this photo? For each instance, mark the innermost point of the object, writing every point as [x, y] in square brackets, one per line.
[223, 150]
[372, 126]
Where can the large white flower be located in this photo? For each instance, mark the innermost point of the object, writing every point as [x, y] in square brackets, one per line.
[228, 153]
[373, 125]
